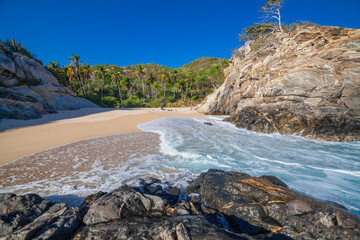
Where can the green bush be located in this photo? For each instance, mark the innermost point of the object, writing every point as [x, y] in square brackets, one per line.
[158, 102]
[111, 101]
[255, 31]
[15, 46]
[132, 102]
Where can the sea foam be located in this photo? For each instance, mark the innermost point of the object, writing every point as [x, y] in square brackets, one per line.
[325, 170]
[176, 150]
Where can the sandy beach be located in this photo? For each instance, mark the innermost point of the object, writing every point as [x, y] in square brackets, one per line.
[19, 138]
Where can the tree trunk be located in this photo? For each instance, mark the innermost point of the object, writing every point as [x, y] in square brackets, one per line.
[120, 97]
[82, 88]
[186, 89]
[164, 86]
[279, 18]
[143, 88]
[102, 88]
[151, 91]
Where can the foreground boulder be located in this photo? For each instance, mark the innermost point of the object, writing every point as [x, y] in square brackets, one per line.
[305, 82]
[219, 205]
[28, 90]
[259, 205]
[31, 217]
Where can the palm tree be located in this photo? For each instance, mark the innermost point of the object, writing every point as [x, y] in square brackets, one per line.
[53, 65]
[64, 70]
[140, 73]
[151, 80]
[101, 74]
[186, 80]
[116, 78]
[164, 78]
[70, 73]
[174, 78]
[74, 60]
[126, 82]
[86, 72]
[191, 86]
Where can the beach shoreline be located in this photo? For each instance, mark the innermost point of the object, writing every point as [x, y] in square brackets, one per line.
[20, 138]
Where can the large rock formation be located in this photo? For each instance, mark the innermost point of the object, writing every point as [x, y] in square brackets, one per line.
[219, 205]
[28, 89]
[306, 82]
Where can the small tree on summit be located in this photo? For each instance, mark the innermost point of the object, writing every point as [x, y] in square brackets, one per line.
[271, 10]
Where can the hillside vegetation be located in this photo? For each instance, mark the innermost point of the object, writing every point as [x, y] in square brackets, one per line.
[143, 85]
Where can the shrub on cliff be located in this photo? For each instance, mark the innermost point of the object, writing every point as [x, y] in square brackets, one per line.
[15, 46]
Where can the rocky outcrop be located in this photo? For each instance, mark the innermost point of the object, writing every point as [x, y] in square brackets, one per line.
[28, 89]
[31, 217]
[260, 205]
[306, 82]
[218, 205]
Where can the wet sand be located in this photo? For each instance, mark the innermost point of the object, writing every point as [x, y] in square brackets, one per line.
[20, 138]
[85, 164]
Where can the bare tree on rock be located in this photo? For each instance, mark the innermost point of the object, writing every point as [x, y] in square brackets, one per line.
[271, 11]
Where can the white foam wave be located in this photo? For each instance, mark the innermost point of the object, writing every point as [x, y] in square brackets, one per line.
[296, 160]
[327, 171]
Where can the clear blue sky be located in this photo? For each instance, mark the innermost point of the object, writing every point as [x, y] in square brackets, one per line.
[166, 32]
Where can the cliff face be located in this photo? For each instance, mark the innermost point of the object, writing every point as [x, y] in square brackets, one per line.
[306, 82]
[28, 89]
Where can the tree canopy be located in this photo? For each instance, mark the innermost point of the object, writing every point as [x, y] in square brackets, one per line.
[143, 85]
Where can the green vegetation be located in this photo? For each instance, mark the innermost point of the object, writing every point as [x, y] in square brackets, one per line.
[15, 46]
[255, 31]
[144, 85]
[264, 32]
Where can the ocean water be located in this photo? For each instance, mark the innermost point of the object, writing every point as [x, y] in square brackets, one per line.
[324, 170]
[177, 150]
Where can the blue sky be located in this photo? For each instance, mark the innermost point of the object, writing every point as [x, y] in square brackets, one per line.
[170, 33]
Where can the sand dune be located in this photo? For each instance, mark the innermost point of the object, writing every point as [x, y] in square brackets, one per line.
[20, 138]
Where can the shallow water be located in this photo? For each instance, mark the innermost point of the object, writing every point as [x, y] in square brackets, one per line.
[325, 170]
[180, 148]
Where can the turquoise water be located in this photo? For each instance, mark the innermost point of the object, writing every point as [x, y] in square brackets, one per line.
[324, 170]
[182, 149]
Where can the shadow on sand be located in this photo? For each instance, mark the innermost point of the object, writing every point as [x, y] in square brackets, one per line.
[7, 124]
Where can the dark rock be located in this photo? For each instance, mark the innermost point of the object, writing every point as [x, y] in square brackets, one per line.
[149, 181]
[155, 189]
[181, 227]
[17, 211]
[121, 203]
[173, 191]
[299, 207]
[31, 217]
[222, 205]
[274, 180]
[262, 205]
[157, 203]
[171, 194]
[28, 231]
[208, 123]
